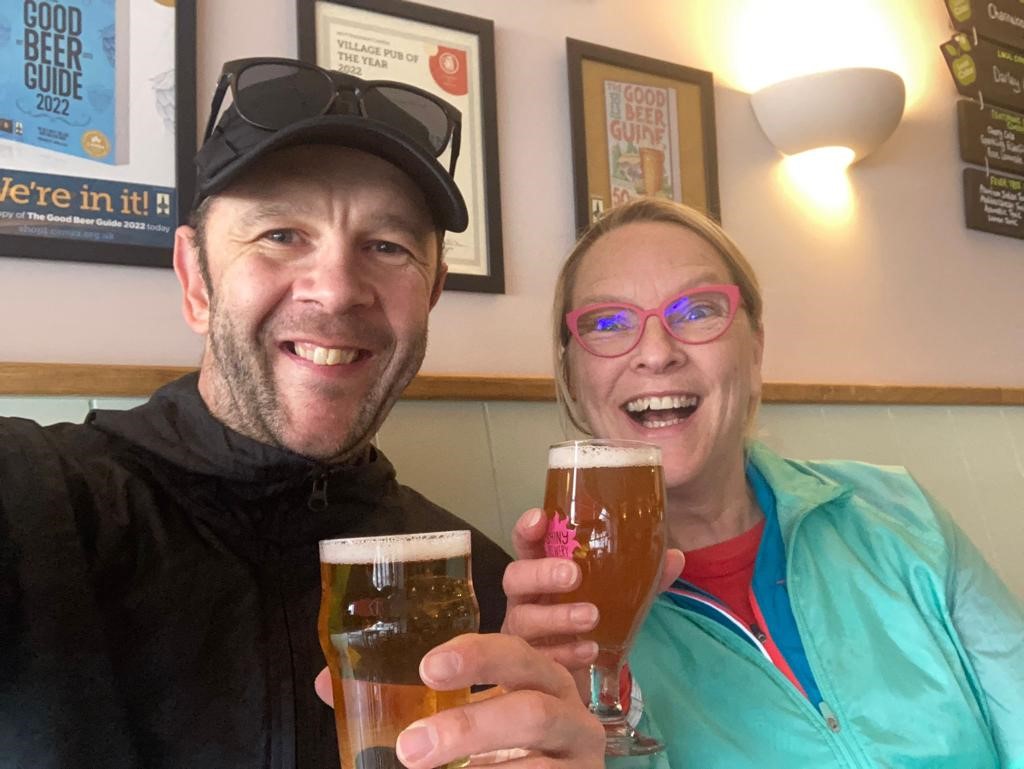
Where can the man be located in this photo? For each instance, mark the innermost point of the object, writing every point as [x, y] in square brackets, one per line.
[159, 576]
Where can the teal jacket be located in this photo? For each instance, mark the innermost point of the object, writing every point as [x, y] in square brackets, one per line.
[915, 646]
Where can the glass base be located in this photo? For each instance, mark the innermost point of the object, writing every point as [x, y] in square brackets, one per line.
[623, 740]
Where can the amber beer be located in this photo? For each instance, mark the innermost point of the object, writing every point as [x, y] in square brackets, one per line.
[386, 602]
[605, 502]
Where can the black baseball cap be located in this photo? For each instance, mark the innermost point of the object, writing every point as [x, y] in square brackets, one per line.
[282, 103]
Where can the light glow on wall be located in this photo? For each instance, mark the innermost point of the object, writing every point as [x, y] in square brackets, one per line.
[818, 181]
[751, 44]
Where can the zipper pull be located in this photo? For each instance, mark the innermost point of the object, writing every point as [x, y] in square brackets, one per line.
[830, 717]
[318, 497]
[758, 633]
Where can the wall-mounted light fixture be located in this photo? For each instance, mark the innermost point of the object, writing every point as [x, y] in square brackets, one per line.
[856, 109]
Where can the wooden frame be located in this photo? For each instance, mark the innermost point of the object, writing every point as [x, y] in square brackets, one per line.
[96, 380]
[640, 126]
[451, 55]
[114, 195]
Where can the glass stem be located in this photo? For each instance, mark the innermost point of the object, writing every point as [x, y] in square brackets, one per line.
[604, 692]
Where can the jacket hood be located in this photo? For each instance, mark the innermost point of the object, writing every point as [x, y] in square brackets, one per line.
[176, 425]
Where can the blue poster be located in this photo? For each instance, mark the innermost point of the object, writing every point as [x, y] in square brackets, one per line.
[88, 141]
[48, 206]
[68, 69]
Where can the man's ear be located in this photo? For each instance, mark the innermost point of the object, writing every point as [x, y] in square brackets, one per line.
[195, 298]
[435, 292]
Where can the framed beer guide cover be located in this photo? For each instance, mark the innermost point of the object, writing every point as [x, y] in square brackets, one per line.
[640, 127]
[97, 128]
[450, 55]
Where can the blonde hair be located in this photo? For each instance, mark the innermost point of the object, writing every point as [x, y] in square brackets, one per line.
[638, 211]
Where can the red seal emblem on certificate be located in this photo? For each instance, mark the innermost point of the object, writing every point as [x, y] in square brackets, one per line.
[448, 66]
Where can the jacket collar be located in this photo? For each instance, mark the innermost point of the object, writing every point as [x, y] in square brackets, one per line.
[176, 425]
[797, 487]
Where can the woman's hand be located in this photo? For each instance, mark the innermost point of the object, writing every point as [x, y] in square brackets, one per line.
[554, 628]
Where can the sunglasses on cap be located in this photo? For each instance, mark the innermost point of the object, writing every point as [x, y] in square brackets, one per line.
[273, 93]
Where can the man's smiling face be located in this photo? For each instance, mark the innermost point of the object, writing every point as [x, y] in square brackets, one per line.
[323, 265]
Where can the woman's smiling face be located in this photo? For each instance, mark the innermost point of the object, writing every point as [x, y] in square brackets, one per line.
[692, 400]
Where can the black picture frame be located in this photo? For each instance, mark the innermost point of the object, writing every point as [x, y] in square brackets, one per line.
[693, 174]
[84, 250]
[483, 272]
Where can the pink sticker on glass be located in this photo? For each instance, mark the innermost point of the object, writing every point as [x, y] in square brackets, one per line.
[560, 541]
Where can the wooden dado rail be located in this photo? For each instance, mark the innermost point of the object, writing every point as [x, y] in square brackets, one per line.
[137, 381]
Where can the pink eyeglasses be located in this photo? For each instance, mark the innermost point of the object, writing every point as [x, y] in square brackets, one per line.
[697, 316]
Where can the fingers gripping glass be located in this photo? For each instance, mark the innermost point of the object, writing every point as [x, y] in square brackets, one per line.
[697, 316]
[272, 93]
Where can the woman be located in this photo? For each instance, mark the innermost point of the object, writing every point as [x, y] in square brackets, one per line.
[829, 613]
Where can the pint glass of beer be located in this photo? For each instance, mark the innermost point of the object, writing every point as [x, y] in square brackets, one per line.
[386, 602]
[605, 502]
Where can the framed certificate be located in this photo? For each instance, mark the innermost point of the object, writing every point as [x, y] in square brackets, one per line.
[448, 54]
[640, 126]
[97, 129]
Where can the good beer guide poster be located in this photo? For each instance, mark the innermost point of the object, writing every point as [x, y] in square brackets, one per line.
[643, 141]
[87, 121]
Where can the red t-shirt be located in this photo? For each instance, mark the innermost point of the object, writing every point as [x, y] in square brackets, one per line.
[725, 570]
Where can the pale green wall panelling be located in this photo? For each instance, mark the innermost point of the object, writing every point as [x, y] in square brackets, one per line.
[45, 411]
[991, 463]
[442, 450]
[486, 461]
[794, 430]
[967, 457]
[116, 403]
[520, 435]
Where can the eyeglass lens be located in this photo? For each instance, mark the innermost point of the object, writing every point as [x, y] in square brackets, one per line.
[275, 95]
[694, 318]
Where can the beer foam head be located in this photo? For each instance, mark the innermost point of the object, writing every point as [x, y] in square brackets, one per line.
[429, 546]
[600, 454]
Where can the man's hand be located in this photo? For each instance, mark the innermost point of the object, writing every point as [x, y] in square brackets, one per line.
[554, 628]
[537, 710]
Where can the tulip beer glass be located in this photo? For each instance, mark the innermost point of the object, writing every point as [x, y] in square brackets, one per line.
[386, 602]
[605, 502]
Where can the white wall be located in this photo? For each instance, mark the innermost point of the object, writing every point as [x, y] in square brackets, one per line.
[897, 292]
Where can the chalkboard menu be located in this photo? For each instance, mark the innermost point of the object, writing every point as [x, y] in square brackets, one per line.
[991, 136]
[1001, 21]
[994, 203]
[986, 60]
[996, 72]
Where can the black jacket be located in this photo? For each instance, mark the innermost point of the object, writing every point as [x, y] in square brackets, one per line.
[159, 588]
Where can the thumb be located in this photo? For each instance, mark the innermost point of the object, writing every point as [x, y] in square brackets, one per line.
[528, 534]
[322, 686]
[674, 561]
